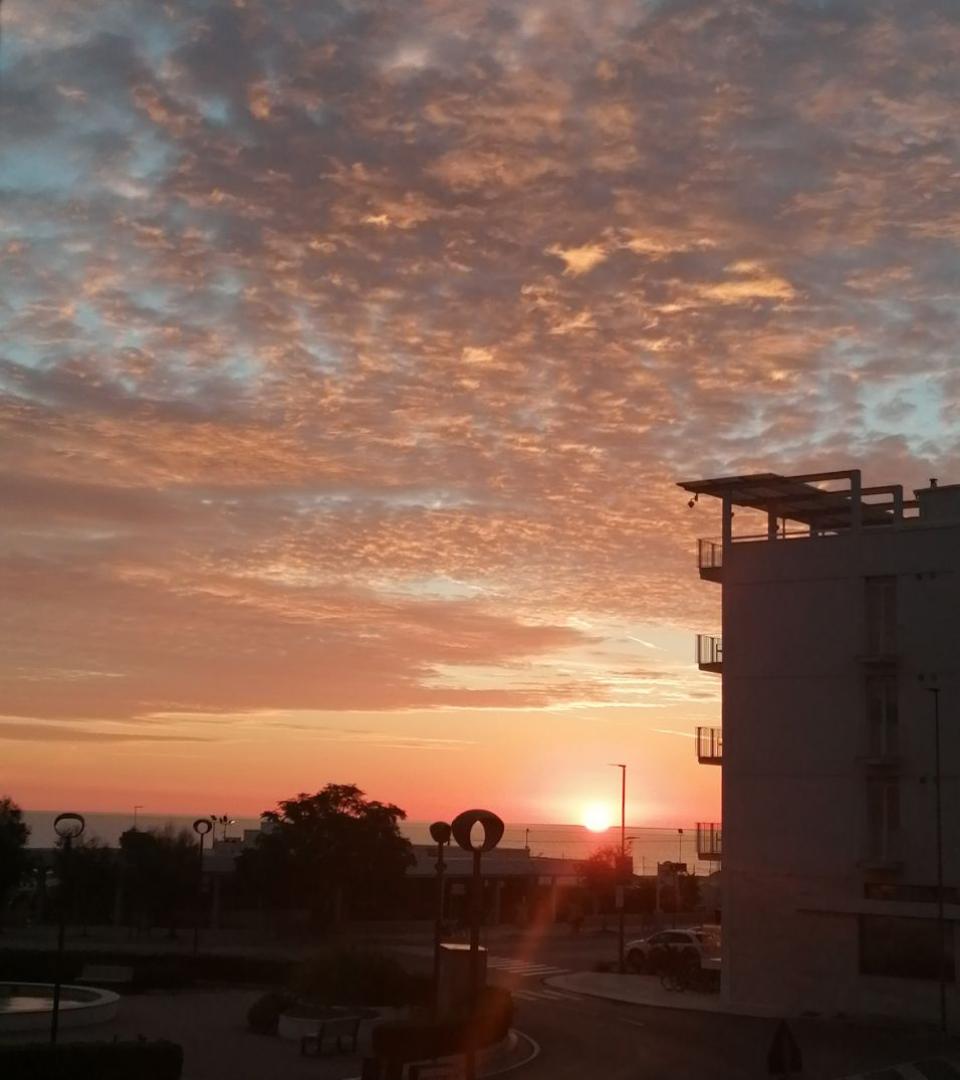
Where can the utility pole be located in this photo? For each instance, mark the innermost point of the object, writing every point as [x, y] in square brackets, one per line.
[941, 927]
[621, 899]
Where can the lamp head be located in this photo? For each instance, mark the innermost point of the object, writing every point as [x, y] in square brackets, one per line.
[69, 826]
[440, 832]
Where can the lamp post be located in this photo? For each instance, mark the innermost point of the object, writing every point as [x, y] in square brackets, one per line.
[623, 858]
[201, 827]
[676, 878]
[941, 928]
[139, 806]
[68, 827]
[440, 832]
[462, 829]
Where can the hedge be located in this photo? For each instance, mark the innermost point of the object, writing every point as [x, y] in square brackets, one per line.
[150, 971]
[358, 977]
[429, 1037]
[160, 1060]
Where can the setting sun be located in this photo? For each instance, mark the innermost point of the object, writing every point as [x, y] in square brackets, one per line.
[596, 817]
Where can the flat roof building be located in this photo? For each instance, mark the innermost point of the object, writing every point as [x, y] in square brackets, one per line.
[840, 840]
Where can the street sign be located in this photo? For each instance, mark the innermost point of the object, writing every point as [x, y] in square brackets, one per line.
[784, 1058]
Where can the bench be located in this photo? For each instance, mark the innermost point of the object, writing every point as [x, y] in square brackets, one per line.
[106, 975]
[339, 1028]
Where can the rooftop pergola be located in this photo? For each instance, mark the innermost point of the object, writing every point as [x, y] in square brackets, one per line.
[800, 499]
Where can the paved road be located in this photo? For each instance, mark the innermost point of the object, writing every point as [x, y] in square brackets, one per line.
[583, 1036]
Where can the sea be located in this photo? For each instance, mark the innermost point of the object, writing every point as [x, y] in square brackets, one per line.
[649, 844]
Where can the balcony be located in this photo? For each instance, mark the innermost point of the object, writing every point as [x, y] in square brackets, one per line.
[710, 745]
[710, 560]
[710, 653]
[709, 841]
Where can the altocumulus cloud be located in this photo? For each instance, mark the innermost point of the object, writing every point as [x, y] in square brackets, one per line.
[309, 304]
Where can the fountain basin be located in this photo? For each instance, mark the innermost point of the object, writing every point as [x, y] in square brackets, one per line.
[27, 1006]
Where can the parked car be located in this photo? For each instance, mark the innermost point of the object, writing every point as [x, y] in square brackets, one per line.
[698, 946]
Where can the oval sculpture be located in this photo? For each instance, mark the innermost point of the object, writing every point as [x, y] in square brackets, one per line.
[463, 824]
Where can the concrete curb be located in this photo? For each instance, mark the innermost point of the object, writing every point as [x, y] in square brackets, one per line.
[588, 983]
[517, 1039]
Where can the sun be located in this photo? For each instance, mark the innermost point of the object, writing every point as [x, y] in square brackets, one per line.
[596, 817]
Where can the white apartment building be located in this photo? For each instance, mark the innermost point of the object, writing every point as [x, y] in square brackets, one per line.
[839, 650]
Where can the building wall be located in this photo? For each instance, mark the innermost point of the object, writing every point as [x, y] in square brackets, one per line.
[797, 759]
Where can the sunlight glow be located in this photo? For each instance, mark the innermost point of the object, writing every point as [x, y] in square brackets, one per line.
[596, 817]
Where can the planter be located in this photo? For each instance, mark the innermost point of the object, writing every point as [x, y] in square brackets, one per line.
[303, 1020]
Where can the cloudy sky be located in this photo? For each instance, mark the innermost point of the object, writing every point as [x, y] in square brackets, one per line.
[350, 351]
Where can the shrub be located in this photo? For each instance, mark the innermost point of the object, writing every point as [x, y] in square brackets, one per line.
[150, 972]
[356, 977]
[429, 1037]
[265, 1012]
[143, 1060]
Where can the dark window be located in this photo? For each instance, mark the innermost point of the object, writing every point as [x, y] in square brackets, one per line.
[882, 721]
[881, 602]
[905, 948]
[883, 816]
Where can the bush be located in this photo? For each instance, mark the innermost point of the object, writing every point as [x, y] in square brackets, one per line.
[357, 977]
[421, 1039]
[150, 972]
[142, 1060]
[265, 1012]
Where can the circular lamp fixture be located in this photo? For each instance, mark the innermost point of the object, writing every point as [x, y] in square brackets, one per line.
[440, 832]
[202, 826]
[68, 826]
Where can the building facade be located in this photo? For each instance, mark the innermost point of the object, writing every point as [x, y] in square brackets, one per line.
[840, 746]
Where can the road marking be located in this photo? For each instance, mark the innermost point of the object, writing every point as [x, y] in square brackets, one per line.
[522, 967]
[545, 995]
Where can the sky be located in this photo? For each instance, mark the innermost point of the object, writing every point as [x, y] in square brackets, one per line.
[350, 354]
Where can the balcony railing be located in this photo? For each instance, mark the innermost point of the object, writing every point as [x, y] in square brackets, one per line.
[709, 652]
[709, 840]
[710, 745]
[710, 559]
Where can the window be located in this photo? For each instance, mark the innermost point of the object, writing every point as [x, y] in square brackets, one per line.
[881, 604]
[882, 721]
[905, 948]
[883, 816]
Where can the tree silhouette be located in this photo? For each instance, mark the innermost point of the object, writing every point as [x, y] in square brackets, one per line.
[14, 860]
[159, 873]
[88, 881]
[329, 852]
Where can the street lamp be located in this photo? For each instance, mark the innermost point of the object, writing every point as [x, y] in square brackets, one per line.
[623, 859]
[68, 827]
[440, 833]
[201, 827]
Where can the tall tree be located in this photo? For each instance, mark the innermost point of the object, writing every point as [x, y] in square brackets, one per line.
[602, 872]
[88, 881]
[329, 852]
[159, 873]
[14, 859]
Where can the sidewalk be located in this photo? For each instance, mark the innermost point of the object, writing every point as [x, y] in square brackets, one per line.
[646, 990]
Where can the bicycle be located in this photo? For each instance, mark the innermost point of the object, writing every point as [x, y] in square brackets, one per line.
[684, 973]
